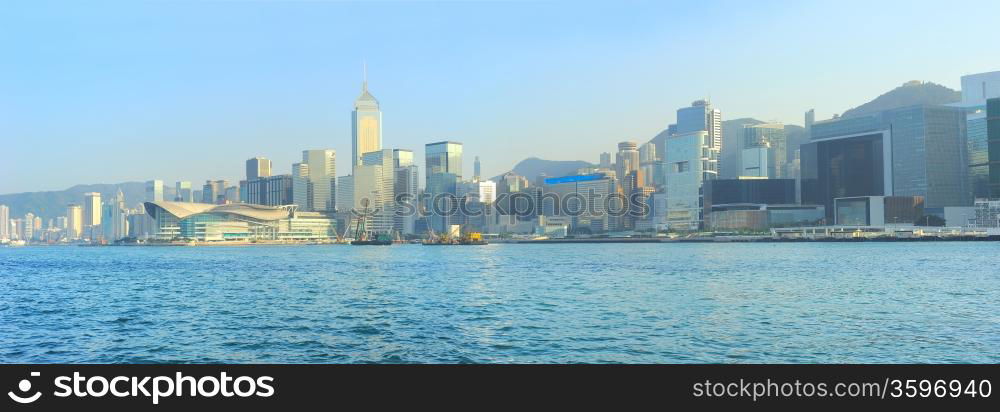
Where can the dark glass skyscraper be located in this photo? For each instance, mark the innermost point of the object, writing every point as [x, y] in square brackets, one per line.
[993, 145]
[910, 151]
[844, 167]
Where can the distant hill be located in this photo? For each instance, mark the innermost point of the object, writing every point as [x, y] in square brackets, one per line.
[909, 94]
[533, 166]
[49, 205]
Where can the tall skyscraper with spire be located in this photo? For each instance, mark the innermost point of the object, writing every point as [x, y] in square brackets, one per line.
[366, 124]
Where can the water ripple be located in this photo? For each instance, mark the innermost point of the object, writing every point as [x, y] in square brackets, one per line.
[649, 303]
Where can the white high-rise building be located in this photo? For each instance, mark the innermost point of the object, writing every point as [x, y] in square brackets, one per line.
[754, 161]
[74, 221]
[301, 194]
[405, 182]
[374, 180]
[91, 213]
[366, 124]
[690, 160]
[4, 222]
[487, 191]
[701, 116]
[627, 159]
[322, 178]
[976, 88]
[29, 226]
[345, 193]
[605, 162]
[114, 219]
[154, 191]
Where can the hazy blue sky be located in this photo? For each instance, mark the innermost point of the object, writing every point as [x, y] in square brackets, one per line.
[104, 92]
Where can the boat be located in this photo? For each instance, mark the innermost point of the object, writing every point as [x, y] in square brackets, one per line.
[469, 238]
[372, 242]
[364, 237]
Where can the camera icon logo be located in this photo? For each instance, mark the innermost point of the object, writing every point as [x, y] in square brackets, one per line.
[24, 386]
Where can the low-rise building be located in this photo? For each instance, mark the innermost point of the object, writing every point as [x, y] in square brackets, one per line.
[180, 221]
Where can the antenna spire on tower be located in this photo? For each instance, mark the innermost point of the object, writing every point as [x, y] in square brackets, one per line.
[364, 70]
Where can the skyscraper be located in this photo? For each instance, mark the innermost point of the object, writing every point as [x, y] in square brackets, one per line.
[605, 161]
[115, 218]
[627, 159]
[690, 161]
[993, 153]
[366, 124]
[74, 221]
[648, 164]
[443, 166]
[4, 222]
[91, 209]
[476, 170]
[29, 226]
[301, 193]
[345, 194]
[154, 191]
[910, 151]
[443, 171]
[183, 192]
[275, 190]
[770, 136]
[322, 179]
[405, 183]
[977, 92]
[977, 88]
[374, 180]
[810, 119]
[701, 117]
[257, 168]
[214, 191]
[402, 158]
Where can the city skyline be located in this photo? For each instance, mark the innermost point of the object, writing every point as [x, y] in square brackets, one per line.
[239, 88]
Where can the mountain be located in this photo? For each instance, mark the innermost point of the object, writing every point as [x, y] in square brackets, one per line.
[910, 93]
[49, 205]
[533, 166]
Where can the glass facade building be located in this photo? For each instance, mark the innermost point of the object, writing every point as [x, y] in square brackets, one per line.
[923, 150]
[690, 160]
[269, 191]
[878, 210]
[858, 165]
[375, 179]
[993, 146]
[581, 199]
[979, 155]
[183, 192]
[321, 179]
[178, 221]
[366, 125]
[443, 166]
[443, 171]
[753, 191]
[770, 136]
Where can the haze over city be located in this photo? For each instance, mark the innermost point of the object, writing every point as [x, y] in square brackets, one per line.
[130, 91]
